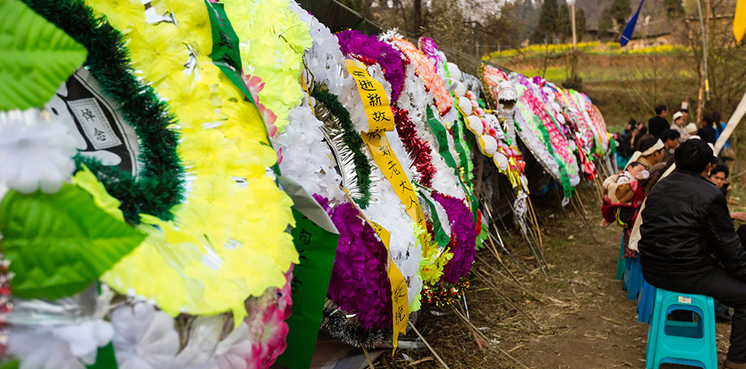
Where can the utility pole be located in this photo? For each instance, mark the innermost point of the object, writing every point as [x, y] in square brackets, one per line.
[574, 57]
[704, 82]
[574, 31]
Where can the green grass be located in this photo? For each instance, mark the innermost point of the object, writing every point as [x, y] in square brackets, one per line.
[587, 48]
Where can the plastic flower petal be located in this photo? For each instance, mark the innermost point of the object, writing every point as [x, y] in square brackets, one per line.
[208, 151]
[233, 351]
[189, 99]
[63, 346]
[120, 13]
[154, 53]
[34, 155]
[144, 338]
[194, 24]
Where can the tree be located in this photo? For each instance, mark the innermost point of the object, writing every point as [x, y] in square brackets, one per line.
[580, 26]
[528, 15]
[674, 8]
[361, 6]
[620, 11]
[546, 29]
[564, 23]
[606, 22]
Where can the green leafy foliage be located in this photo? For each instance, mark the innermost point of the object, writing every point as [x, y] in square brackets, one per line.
[35, 57]
[59, 244]
[620, 12]
[13, 364]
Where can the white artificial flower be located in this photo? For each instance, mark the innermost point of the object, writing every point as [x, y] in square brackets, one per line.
[144, 338]
[59, 347]
[233, 351]
[34, 154]
[199, 352]
[306, 157]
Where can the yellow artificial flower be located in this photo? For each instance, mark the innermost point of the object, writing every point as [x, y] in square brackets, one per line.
[155, 270]
[243, 121]
[208, 72]
[202, 217]
[120, 13]
[86, 180]
[272, 204]
[229, 240]
[208, 152]
[156, 51]
[273, 40]
[189, 99]
[434, 258]
[194, 26]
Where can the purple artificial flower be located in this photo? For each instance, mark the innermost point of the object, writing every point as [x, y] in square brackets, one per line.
[463, 237]
[359, 283]
[371, 50]
[428, 47]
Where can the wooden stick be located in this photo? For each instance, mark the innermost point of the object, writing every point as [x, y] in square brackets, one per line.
[517, 282]
[367, 357]
[501, 294]
[583, 219]
[428, 346]
[487, 340]
[536, 220]
[502, 244]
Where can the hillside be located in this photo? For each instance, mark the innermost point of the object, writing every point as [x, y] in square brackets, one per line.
[593, 9]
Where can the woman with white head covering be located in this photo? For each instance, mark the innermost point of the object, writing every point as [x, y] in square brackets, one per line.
[679, 125]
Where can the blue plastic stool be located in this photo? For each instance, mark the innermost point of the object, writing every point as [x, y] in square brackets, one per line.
[645, 303]
[682, 342]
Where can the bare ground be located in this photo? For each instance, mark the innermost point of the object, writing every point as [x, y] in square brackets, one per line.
[584, 318]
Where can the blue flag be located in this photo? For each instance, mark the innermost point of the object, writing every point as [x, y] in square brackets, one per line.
[630, 28]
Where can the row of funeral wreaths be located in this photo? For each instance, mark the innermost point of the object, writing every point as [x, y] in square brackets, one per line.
[178, 176]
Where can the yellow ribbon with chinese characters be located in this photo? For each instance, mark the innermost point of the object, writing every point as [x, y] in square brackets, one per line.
[381, 120]
[399, 297]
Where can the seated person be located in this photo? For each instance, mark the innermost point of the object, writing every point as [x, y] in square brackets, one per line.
[718, 175]
[620, 191]
[670, 140]
[688, 243]
[649, 151]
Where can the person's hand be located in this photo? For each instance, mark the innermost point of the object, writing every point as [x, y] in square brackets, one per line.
[740, 216]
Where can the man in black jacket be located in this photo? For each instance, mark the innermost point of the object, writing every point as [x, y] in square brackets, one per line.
[686, 230]
[658, 123]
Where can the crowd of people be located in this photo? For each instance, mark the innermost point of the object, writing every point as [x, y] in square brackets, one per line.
[671, 201]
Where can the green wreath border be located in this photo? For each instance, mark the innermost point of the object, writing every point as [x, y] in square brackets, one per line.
[351, 138]
[161, 182]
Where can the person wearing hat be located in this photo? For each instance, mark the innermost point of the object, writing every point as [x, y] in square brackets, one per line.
[658, 123]
[691, 130]
[679, 125]
[650, 152]
[688, 244]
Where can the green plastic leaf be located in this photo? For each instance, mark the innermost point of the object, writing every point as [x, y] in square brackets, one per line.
[13, 364]
[35, 57]
[105, 359]
[59, 244]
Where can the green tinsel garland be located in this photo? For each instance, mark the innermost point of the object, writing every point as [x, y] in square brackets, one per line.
[351, 138]
[161, 181]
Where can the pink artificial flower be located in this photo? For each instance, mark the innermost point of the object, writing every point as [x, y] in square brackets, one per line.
[255, 86]
[267, 328]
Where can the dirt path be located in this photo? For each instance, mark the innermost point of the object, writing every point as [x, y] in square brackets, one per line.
[585, 319]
